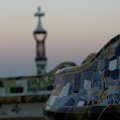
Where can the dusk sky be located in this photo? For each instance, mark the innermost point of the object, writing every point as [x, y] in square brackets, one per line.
[75, 28]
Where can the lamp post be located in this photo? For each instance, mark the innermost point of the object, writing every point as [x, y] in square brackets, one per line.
[40, 35]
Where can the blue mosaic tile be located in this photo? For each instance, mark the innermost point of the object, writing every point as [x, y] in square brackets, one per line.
[71, 89]
[96, 84]
[115, 74]
[113, 58]
[70, 102]
[96, 76]
[106, 64]
[117, 52]
[118, 62]
[107, 73]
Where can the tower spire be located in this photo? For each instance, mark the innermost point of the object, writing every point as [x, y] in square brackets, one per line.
[40, 35]
[39, 27]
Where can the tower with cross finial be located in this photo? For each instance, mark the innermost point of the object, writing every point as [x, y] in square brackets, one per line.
[40, 35]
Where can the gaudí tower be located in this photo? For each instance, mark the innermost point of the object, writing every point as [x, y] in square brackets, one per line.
[40, 35]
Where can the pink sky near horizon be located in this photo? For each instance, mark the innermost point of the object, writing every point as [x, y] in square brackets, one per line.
[75, 29]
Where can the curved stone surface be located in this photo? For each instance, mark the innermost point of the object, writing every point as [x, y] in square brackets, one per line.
[85, 92]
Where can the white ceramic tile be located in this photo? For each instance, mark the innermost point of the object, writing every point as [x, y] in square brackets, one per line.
[112, 64]
[64, 91]
[87, 84]
[80, 103]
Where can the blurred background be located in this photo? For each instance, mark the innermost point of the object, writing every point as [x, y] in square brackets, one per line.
[75, 29]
